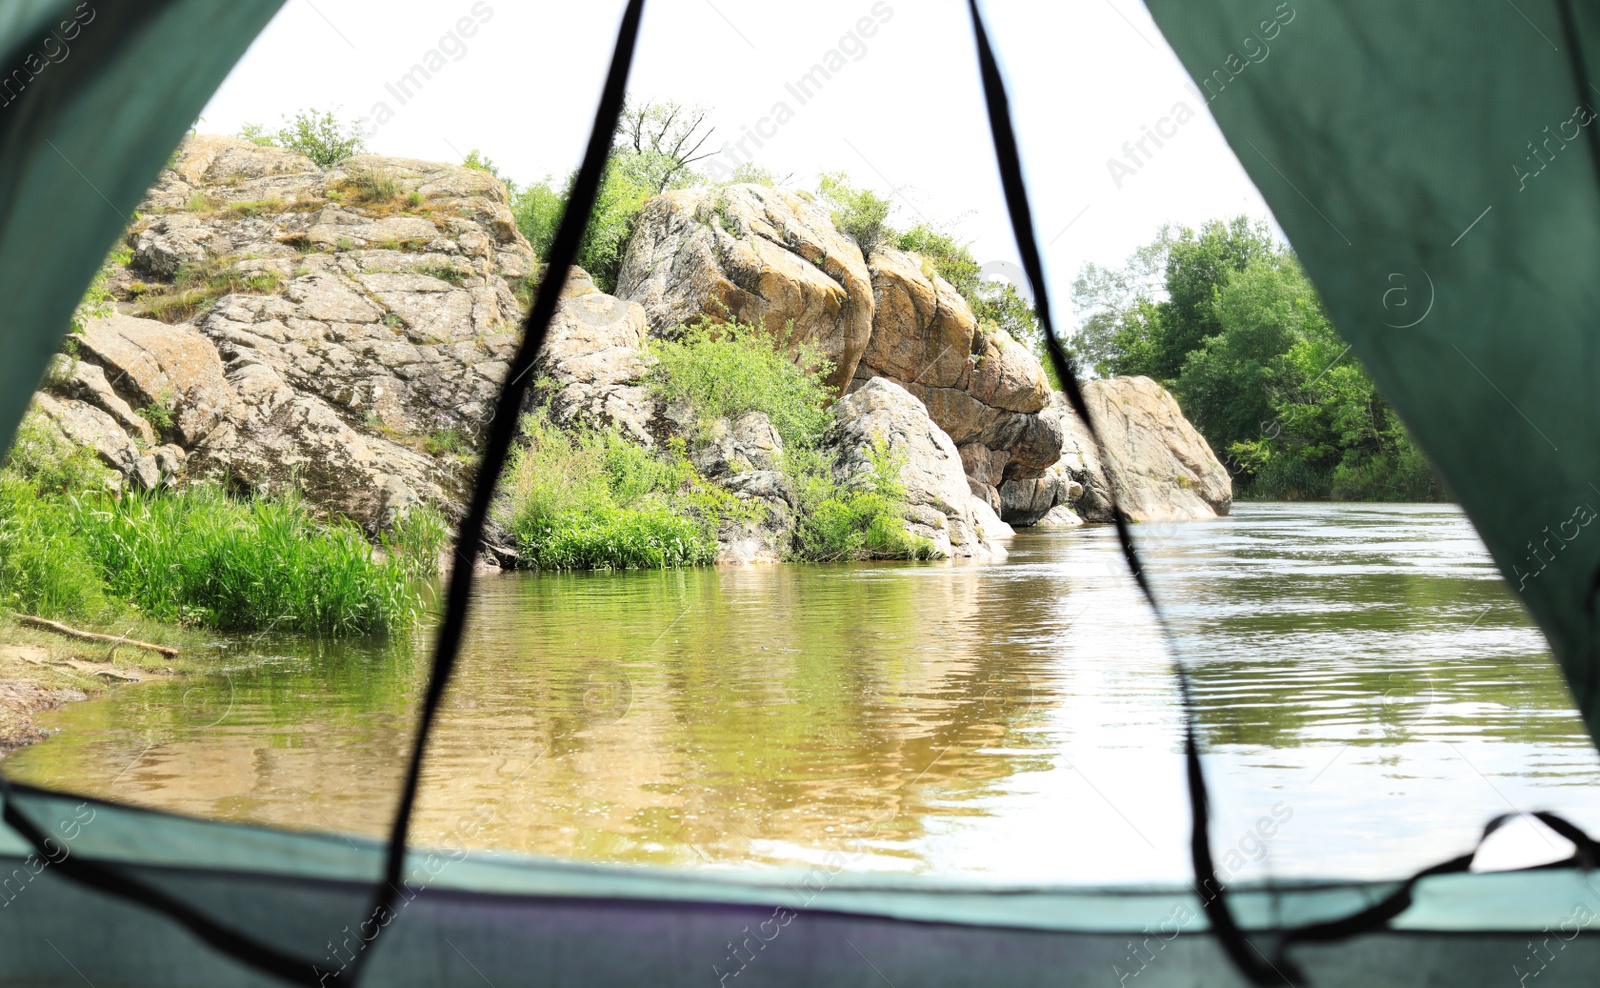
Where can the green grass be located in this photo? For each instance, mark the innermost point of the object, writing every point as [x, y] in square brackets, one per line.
[199, 556]
[617, 538]
[594, 500]
[446, 442]
[372, 185]
[864, 521]
[725, 370]
[195, 286]
[70, 547]
[444, 272]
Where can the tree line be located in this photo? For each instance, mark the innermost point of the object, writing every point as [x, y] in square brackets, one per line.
[1226, 319]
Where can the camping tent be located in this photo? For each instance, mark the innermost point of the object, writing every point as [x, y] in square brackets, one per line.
[1448, 146]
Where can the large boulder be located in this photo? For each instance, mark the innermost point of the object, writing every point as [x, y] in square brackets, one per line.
[151, 364]
[1159, 467]
[69, 377]
[755, 255]
[86, 425]
[591, 369]
[984, 389]
[939, 505]
[282, 438]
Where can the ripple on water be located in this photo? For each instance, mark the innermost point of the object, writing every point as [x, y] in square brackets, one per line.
[1359, 669]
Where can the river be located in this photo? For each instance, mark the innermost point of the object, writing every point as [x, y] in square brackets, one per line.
[1371, 693]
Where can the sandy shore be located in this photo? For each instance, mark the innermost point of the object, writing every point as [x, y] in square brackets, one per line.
[40, 670]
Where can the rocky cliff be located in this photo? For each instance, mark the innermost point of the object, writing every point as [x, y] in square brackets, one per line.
[1160, 468]
[345, 331]
[757, 255]
[342, 330]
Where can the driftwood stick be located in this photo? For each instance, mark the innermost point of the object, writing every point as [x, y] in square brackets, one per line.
[93, 636]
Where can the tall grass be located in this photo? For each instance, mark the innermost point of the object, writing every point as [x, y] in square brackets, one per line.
[71, 547]
[44, 562]
[593, 500]
[199, 556]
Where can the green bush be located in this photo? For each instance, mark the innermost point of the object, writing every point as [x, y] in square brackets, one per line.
[317, 134]
[725, 370]
[613, 538]
[581, 499]
[861, 214]
[1288, 478]
[863, 522]
[653, 150]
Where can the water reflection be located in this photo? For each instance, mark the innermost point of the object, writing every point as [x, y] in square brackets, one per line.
[1361, 669]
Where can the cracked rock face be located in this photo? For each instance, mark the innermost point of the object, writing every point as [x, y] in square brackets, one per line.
[345, 330]
[591, 369]
[754, 255]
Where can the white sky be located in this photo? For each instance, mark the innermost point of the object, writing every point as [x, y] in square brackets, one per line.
[1085, 76]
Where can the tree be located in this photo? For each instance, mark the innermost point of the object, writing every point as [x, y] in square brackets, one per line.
[1198, 265]
[1119, 308]
[660, 142]
[1276, 396]
[653, 150]
[1149, 315]
[1232, 386]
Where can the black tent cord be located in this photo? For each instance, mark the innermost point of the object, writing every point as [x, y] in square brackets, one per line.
[469, 540]
[1244, 955]
[502, 431]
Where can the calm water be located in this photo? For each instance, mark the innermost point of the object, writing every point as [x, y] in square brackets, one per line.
[1372, 693]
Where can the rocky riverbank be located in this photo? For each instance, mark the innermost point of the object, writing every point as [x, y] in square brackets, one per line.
[345, 331]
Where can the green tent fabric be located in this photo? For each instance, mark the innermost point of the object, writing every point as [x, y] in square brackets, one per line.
[513, 921]
[1387, 157]
[1435, 167]
[93, 98]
